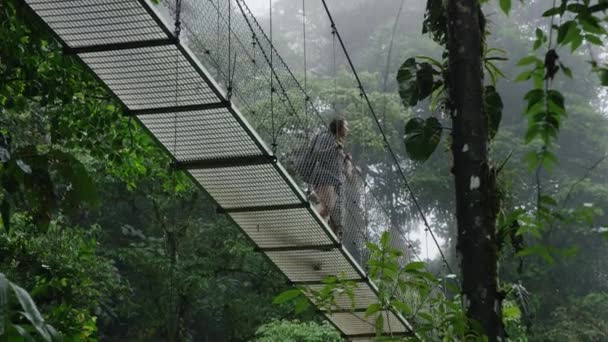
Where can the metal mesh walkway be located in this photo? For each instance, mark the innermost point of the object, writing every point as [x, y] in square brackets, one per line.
[240, 149]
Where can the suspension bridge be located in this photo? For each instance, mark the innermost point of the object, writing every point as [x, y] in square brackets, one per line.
[205, 80]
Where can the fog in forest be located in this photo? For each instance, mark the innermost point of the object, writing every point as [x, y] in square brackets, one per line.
[367, 30]
[113, 241]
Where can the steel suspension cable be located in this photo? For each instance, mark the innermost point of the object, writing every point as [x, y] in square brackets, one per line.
[388, 146]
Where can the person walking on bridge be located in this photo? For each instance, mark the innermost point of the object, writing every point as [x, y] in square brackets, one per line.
[329, 174]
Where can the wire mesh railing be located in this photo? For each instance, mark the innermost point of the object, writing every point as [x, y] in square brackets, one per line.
[228, 40]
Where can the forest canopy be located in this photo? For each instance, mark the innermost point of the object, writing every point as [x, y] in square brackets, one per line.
[102, 238]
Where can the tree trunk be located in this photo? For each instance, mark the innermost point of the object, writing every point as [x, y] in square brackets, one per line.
[476, 201]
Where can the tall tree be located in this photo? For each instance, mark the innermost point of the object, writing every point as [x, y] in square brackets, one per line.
[475, 181]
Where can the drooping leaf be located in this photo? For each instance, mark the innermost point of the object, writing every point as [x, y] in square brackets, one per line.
[567, 71]
[372, 309]
[56, 336]
[563, 31]
[594, 40]
[330, 280]
[556, 98]
[552, 11]
[30, 311]
[379, 325]
[286, 296]
[529, 60]
[422, 137]
[24, 167]
[505, 6]
[22, 333]
[524, 76]
[301, 305]
[493, 106]
[591, 24]
[402, 307]
[414, 266]
[572, 34]
[533, 97]
[384, 239]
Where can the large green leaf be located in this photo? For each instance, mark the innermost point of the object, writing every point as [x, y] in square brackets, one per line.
[422, 137]
[493, 106]
[533, 97]
[372, 309]
[30, 311]
[567, 29]
[19, 334]
[414, 266]
[406, 78]
[505, 6]
[402, 307]
[416, 81]
[302, 304]
[379, 325]
[286, 296]
[424, 80]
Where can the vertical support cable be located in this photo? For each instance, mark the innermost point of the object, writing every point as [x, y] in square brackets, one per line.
[306, 98]
[218, 56]
[272, 90]
[366, 218]
[253, 44]
[230, 71]
[426, 242]
[335, 71]
[178, 30]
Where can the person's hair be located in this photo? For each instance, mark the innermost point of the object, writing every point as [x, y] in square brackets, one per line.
[335, 123]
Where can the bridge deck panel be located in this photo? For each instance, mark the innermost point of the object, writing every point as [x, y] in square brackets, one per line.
[198, 135]
[150, 77]
[246, 186]
[302, 266]
[363, 296]
[355, 323]
[93, 22]
[281, 228]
